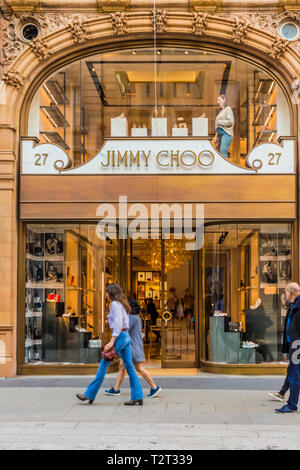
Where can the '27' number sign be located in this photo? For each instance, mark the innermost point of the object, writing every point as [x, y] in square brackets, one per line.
[272, 157]
[40, 157]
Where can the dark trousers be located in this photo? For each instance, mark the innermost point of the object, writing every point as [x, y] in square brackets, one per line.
[294, 383]
[285, 386]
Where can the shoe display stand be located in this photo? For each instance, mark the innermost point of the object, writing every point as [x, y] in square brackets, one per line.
[44, 277]
[225, 347]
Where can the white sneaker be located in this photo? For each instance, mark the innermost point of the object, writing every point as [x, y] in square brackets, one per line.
[276, 396]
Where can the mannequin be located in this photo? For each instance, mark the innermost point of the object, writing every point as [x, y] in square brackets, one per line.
[224, 126]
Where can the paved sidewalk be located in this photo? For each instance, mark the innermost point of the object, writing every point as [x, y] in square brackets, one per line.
[52, 418]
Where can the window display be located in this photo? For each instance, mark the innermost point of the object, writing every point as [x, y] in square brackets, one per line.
[247, 270]
[64, 301]
[121, 94]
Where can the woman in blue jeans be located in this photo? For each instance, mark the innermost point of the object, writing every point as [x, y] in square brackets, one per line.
[118, 320]
[224, 126]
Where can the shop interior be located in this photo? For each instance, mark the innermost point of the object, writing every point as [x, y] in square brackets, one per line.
[236, 317]
[77, 107]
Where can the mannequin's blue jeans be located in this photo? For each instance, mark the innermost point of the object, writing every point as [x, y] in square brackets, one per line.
[224, 141]
[122, 346]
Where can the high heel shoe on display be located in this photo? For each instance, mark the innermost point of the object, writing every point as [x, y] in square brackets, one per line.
[133, 402]
[84, 398]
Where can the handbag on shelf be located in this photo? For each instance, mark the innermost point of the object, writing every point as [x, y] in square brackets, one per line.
[108, 355]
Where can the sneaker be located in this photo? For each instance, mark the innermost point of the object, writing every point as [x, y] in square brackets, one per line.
[285, 409]
[112, 391]
[154, 392]
[276, 396]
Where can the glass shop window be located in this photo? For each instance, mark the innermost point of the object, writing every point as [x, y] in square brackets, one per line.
[164, 92]
[67, 268]
[247, 268]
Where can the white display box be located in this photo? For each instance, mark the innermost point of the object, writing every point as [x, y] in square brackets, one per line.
[118, 127]
[159, 127]
[139, 132]
[200, 127]
[180, 132]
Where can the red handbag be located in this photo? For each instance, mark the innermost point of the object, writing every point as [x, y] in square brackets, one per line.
[108, 355]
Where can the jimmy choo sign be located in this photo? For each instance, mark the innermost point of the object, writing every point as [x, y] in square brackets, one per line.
[157, 156]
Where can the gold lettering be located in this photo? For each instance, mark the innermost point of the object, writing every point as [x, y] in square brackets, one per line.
[113, 158]
[108, 159]
[161, 154]
[175, 155]
[134, 158]
[206, 153]
[122, 158]
[189, 152]
[147, 157]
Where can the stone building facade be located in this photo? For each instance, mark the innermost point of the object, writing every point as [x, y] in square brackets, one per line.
[70, 30]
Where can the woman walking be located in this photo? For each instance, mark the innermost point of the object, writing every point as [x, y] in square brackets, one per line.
[118, 320]
[138, 356]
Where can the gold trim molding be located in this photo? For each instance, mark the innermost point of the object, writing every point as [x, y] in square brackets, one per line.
[290, 5]
[206, 5]
[22, 5]
[112, 5]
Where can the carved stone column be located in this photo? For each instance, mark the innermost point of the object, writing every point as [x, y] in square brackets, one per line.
[8, 248]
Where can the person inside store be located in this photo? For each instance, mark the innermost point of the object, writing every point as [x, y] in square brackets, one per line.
[224, 126]
[118, 320]
[138, 357]
[151, 310]
[172, 301]
[293, 339]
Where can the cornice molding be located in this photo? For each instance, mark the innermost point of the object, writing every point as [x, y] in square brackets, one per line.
[112, 5]
[290, 5]
[21, 5]
[205, 5]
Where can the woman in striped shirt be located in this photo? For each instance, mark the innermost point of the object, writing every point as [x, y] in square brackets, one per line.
[118, 320]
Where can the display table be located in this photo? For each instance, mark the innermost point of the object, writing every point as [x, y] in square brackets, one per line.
[226, 346]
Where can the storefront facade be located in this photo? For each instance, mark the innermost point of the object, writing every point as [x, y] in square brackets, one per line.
[120, 100]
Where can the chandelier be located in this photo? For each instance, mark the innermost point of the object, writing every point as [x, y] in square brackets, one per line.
[175, 253]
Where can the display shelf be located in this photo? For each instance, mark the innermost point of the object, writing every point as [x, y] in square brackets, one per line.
[31, 314]
[275, 258]
[44, 258]
[265, 110]
[44, 285]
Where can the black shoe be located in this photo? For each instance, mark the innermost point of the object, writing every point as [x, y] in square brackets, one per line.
[84, 398]
[134, 402]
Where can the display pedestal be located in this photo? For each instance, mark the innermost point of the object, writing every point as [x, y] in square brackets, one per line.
[180, 132]
[225, 346]
[119, 127]
[200, 127]
[159, 127]
[139, 132]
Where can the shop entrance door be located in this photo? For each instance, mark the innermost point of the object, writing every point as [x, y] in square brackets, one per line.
[163, 276]
[180, 300]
